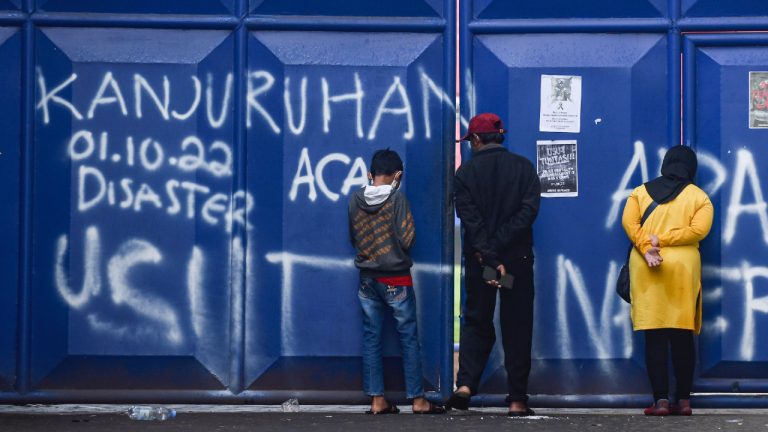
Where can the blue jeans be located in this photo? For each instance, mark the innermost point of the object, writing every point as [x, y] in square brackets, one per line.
[375, 299]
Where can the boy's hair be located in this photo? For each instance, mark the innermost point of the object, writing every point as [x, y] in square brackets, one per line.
[385, 162]
[491, 138]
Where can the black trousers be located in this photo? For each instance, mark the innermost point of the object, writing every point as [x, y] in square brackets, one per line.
[657, 347]
[478, 334]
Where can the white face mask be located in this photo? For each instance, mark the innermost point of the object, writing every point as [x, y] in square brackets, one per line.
[377, 194]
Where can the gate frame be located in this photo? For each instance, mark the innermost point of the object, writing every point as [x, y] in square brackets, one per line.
[682, 43]
[27, 20]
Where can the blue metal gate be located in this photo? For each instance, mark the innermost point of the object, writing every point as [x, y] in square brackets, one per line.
[175, 182]
[175, 176]
[628, 57]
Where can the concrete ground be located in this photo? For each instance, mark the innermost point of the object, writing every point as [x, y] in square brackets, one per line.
[193, 418]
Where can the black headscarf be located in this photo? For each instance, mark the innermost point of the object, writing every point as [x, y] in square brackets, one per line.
[677, 172]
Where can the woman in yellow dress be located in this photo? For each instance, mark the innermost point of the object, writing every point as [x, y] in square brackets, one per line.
[665, 273]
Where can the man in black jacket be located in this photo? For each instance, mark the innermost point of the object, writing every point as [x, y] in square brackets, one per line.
[497, 196]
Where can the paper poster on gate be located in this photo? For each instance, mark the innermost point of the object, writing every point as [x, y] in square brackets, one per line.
[758, 100]
[557, 166]
[560, 109]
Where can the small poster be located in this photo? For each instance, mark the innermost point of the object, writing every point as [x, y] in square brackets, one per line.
[758, 100]
[560, 103]
[557, 166]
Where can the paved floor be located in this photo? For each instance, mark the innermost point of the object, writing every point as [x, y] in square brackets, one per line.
[192, 418]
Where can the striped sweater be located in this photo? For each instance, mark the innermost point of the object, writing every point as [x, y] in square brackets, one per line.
[382, 234]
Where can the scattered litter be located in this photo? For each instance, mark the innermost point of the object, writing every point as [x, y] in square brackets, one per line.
[533, 417]
[328, 416]
[291, 405]
[734, 421]
[150, 413]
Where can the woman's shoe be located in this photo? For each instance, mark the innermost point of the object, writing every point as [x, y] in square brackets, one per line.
[660, 408]
[526, 413]
[682, 408]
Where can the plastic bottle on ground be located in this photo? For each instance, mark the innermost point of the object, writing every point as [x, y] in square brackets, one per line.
[291, 405]
[151, 413]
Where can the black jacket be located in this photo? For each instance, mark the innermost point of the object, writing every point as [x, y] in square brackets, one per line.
[497, 196]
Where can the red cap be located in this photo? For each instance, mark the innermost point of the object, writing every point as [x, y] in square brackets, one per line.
[484, 123]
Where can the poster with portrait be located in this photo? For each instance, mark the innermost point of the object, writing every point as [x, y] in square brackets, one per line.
[560, 109]
[758, 100]
[556, 164]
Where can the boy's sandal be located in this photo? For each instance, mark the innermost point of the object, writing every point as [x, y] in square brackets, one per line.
[391, 409]
[433, 409]
[459, 401]
[526, 413]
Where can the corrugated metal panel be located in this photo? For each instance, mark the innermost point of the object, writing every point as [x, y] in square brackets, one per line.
[183, 195]
[728, 127]
[10, 165]
[584, 350]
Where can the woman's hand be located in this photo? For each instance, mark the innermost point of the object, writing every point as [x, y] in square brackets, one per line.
[654, 240]
[653, 257]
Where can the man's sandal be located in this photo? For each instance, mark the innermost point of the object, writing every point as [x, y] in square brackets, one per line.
[433, 409]
[391, 409]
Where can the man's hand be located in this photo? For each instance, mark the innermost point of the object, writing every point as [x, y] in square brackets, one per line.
[653, 257]
[654, 240]
[496, 283]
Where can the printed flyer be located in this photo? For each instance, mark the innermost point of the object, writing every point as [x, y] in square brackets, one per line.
[556, 164]
[560, 104]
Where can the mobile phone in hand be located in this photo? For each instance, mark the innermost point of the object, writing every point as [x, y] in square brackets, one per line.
[507, 281]
[490, 274]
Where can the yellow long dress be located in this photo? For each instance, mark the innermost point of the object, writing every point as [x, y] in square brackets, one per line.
[667, 296]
